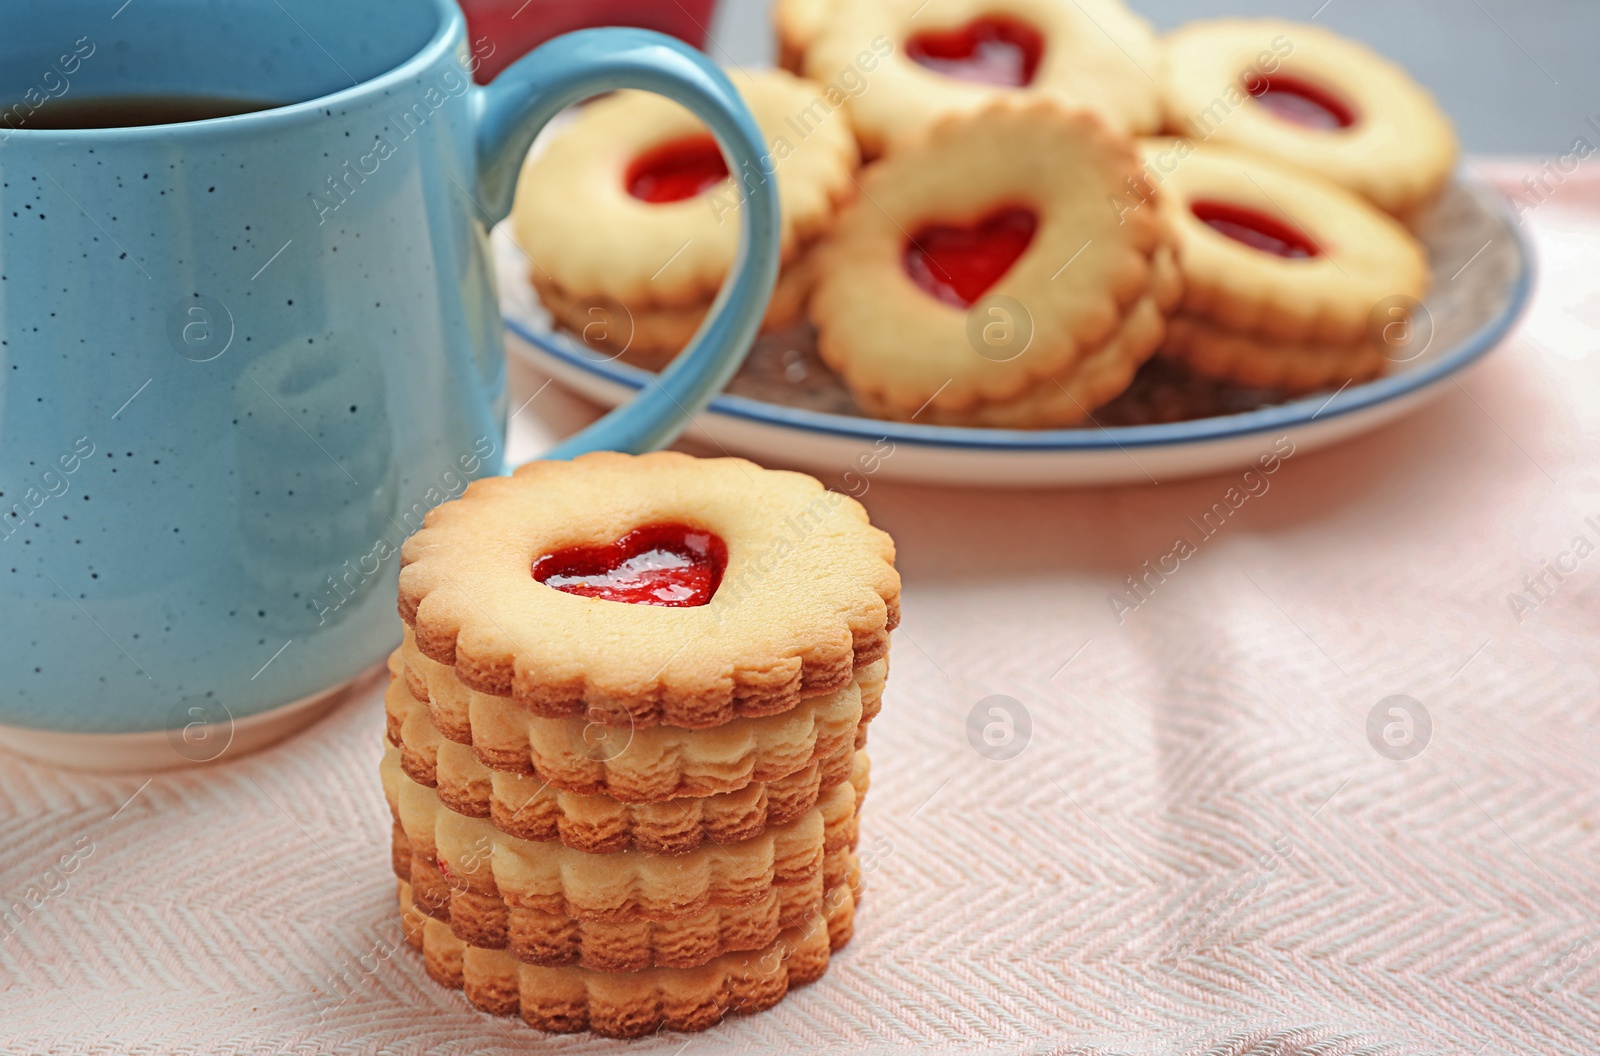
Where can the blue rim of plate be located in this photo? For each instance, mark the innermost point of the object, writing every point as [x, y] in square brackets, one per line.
[1107, 438]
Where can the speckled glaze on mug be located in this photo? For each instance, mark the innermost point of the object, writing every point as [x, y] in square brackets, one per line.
[240, 358]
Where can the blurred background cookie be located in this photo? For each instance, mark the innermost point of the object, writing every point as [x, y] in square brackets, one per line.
[630, 217]
[984, 279]
[921, 60]
[1282, 268]
[1307, 96]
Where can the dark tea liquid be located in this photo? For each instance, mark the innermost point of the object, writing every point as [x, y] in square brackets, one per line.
[132, 111]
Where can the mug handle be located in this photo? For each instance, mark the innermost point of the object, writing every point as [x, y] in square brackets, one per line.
[512, 110]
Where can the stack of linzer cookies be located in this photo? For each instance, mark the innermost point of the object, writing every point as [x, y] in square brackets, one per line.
[625, 737]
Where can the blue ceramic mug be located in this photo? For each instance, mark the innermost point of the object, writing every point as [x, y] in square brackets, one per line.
[241, 357]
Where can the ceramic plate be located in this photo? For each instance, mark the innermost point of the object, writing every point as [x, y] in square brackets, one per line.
[786, 407]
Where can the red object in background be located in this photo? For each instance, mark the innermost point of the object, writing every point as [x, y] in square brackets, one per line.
[518, 26]
[1302, 103]
[994, 50]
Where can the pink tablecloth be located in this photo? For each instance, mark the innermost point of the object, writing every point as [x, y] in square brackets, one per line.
[1203, 846]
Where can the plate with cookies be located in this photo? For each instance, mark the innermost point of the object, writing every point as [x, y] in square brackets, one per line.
[1029, 243]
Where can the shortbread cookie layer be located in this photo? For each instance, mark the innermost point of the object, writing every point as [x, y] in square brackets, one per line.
[1353, 116]
[1263, 363]
[1351, 255]
[1084, 268]
[639, 764]
[650, 337]
[807, 594]
[1093, 55]
[577, 220]
[527, 806]
[631, 1004]
[470, 855]
[452, 704]
[554, 940]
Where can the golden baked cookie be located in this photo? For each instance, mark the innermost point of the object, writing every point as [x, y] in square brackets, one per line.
[472, 857]
[1275, 251]
[918, 61]
[652, 589]
[1309, 97]
[632, 1004]
[452, 705]
[632, 200]
[552, 940]
[983, 260]
[528, 806]
[450, 710]
[682, 940]
[649, 764]
[645, 764]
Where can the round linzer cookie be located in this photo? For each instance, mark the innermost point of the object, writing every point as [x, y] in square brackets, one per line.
[631, 210]
[912, 62]
[633, 1004]
[1307, 96]
[1282, 268]
[651, 589]
[984, 276]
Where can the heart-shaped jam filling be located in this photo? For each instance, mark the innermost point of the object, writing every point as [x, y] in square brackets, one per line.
[676, 170]
[1302, 103]
[1256, 230]
[993, 50]
[957, 264]
[660, 564]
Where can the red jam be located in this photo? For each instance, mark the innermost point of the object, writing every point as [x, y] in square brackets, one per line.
[1302, 103]
[1256, 230]
[660, 564]
[993, 50]
[672, 172]
[957, 265]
